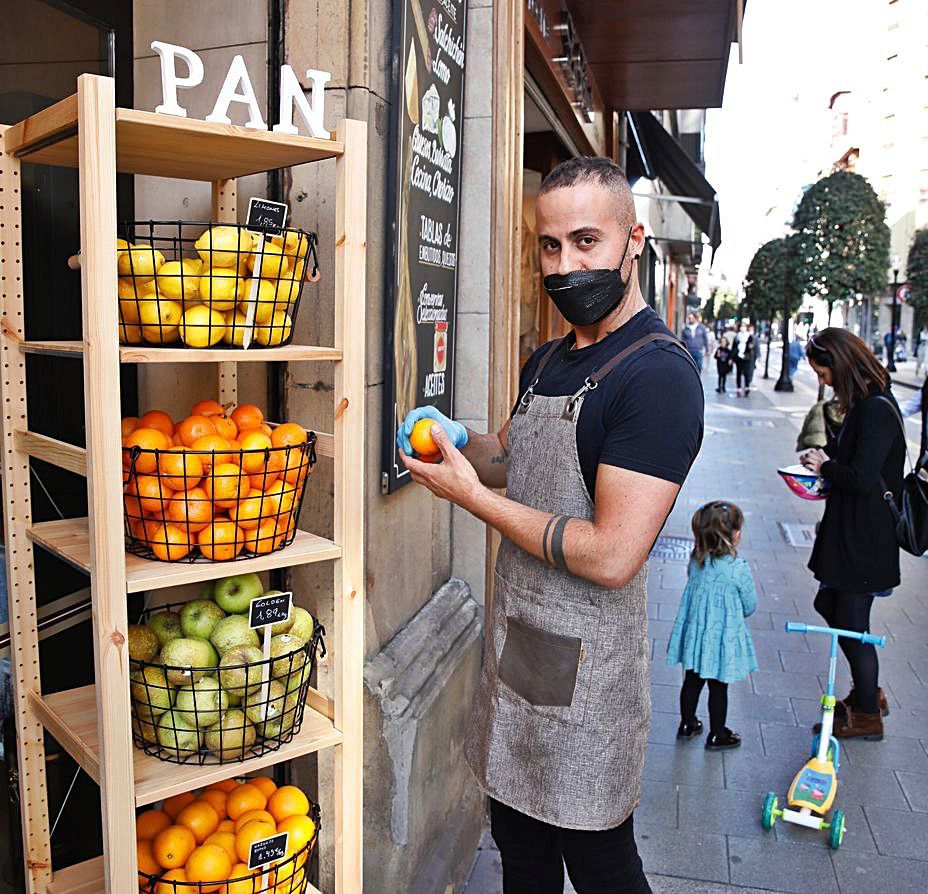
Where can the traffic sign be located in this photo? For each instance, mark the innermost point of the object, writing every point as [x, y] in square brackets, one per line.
[903, 293]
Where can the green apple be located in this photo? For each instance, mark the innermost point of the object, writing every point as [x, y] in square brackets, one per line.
[239, 669]
[303, 623]
[261, 706]
[231, 736]
[166, 626]
[189, 659]
[233, 594]
[198, 618]
[292, 682]
[177, 735]
[208, 591]
[292, 648]
[281, 729]
[202, 702]
[233, 631]
[150, 688]
[146, 729]
[143, 643]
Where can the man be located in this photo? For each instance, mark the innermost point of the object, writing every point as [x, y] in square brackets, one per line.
[608, 422]
[695, 338]
[796, 353]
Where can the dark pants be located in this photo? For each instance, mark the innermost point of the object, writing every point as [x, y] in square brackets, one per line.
[851, 611]
[744, 372]
[534, 854]
[718, 701]
[723, 375]
[696, 354]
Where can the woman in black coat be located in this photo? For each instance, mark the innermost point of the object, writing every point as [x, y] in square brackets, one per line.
[856, 556]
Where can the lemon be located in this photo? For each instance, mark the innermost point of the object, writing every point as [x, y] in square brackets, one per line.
[295, 244]
[288, 290]
[201, 327]
[220, 288]
[235, 328]
[160, 318]
[140, 261]
[274, 263]
[179, 280]
[264, 303]
[276, 331]
[130, 333]
[223, 246]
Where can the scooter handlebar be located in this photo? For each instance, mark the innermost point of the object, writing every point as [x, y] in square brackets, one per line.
[868, 638]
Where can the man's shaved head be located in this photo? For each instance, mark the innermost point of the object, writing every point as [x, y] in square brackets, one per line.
[598, 170]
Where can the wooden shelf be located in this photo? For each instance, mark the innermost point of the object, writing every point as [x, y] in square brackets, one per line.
[140, 354]
[81, 878]
[166, 146]
[70, 541]
[71, 718]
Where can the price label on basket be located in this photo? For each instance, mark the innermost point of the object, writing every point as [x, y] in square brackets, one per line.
[272, 608]
[270, 216]
[267, 850]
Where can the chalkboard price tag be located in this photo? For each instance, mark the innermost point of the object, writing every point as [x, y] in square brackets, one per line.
[268, 850]
[270, 216]
[273, 608]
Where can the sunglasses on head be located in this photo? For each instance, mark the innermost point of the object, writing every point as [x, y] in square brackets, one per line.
[822, 355]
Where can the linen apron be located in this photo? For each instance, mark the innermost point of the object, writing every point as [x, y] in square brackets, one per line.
[563, 709]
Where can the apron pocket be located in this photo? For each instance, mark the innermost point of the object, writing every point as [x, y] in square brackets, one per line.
[538, 665]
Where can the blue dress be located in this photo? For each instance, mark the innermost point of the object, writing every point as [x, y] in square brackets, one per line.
[710, 635]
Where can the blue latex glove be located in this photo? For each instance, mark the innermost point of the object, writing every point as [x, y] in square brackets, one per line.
[456, 432]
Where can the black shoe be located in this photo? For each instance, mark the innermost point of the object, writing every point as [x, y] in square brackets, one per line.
[724, 740]
[688, 730]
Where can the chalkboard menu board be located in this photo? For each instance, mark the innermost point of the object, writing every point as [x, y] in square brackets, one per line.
[424, 195]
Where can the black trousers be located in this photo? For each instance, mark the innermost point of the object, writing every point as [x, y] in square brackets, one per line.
[534, 854]
[718, 701]
[851, 611]
[744, 371]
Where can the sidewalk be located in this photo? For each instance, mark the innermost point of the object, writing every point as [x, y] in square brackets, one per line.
[698, 825]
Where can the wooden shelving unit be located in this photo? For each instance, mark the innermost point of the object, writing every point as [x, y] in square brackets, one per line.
[86, 131]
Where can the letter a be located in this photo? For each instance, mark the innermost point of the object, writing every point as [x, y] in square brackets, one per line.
[291, 95]
[169, 79]
[237, 75]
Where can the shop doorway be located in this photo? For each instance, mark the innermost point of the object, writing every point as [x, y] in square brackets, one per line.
[43, 50]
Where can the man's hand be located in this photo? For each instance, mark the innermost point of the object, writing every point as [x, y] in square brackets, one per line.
[451, 479]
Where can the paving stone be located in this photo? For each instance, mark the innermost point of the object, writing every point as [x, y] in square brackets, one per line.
[722, 811]
[664, 727]
[915, 788]
[665, 698]
[746, 705]
[687, 763]
[690, 854]
[663, 884]
[658, 805]
[787, 742]
[892, 752]
[665, 674]
[857, 835]
[486, 876]
[909, 722]
[869, 787]
[744, 773]
[781, 866]
[899, 833]
[806, 711]
[863, 873]
[785, 683]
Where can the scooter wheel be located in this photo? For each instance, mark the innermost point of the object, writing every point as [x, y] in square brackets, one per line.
[837, 830]
[769, 814]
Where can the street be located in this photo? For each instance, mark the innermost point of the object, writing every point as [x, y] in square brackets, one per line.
[698, 826]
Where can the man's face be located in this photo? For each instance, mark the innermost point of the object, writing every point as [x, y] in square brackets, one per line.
[579, 229]
[692, 319]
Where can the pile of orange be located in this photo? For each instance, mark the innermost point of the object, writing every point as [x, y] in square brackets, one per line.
[204, 840]
[221, 483]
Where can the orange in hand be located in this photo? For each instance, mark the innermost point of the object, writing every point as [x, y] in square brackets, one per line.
[422, 441]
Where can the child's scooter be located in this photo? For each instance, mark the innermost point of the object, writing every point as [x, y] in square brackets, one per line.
[814, 788]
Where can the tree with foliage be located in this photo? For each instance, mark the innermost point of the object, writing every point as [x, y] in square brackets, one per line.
[766, 280]
[917, 276]
[727, 310]
[842, 245]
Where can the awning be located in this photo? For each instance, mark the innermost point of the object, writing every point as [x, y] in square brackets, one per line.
[655, 154]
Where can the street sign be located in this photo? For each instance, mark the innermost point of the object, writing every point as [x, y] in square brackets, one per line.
[903, 293]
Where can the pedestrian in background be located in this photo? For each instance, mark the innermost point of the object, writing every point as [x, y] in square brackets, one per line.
[744, 360]
[695, 339]
[710, 637]
[722, 363]
[796, 352]
[856, 557]
[921, 349]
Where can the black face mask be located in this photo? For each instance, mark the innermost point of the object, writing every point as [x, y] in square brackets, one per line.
[584, 297]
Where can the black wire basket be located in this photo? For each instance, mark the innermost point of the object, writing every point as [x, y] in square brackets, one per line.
[200, 284]
[186, 505]
[222, 710]
[288, 876]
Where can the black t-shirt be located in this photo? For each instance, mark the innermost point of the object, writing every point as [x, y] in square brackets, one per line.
[645, 416]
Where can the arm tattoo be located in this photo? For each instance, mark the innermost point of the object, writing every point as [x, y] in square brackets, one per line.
[544, 539]
[557, 543]
[499, 459]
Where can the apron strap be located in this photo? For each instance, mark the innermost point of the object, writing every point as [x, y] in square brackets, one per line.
[526, 398]
[601, 373]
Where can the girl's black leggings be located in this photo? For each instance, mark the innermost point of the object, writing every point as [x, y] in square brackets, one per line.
[851, 611]
[718, 701]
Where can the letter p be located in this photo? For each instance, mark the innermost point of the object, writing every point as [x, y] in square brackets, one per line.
[169, 77]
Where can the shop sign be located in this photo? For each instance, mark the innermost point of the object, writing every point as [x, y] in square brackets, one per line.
[574, 66]
[424, 198]
[237, 88]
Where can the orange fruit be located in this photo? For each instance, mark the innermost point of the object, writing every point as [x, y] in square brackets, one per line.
[248, 513]
[147, 863]
[256, 441]
[287, 801]
[279, 497]
[225, 825]
[265, 783]
[191, 510]
[215, 450]
[201, 818]
[243, 798]
[269, 469]
[224, 785]
[225, 426]
[247, 416]
[264, 539]
[133, 508]
[209, 863]
[217, 799]
[129, 424]
[149, 439]
[242, 880]
[164, 885]
[180, 470]
[153, 494]
[421, 439]
[193, 427]
[172, 846]
[251, 832]
[220, 541]
[225, 840]
[157, 419]
[170, 544]
[250, 815]
[288, 435]
[207, 408]
[150, 823]
[301, 830]
[176, 803]
[296, 466]
[226, 484]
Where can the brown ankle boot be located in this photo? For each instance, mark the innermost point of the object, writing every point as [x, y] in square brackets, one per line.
[881, 702]
[855, 725]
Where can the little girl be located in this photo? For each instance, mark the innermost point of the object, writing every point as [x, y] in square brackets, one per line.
[710, 638]
[722, 363]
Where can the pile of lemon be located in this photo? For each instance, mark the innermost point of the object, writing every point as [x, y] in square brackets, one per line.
[203, 301]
